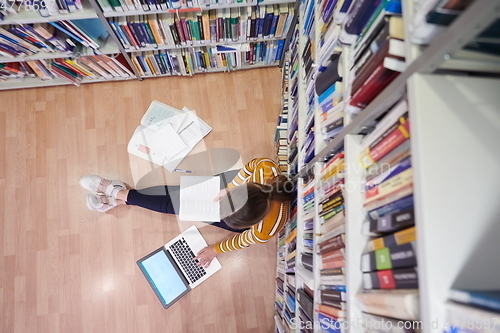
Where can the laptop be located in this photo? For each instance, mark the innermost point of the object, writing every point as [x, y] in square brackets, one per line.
[170, 270]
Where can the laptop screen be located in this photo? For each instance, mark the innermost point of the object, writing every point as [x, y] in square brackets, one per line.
[164, 276]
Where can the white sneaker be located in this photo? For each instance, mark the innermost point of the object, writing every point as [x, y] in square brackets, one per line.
[100, 185]
[100, 203]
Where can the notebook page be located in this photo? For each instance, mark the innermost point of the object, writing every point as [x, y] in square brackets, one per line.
[197, 198]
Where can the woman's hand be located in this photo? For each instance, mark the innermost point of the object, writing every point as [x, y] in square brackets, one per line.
[205, 256]
[222, 193]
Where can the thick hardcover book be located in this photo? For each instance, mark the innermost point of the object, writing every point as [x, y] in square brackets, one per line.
[332, 279]
[460, 315]
[305, 302]
[390, 141]
[333, 271]
[399, 256]
[375, 60]
[375, 83]
[392, 184]
[391, 222]
[397, 238]
[389, 198]
[401, 278]
[331, 244]
[334, 295]
[333, 256]
[389, 173]
[357, 17]
[328, 76]
[334, 222]
[383, 125]
[488, 299]
[389, 161]
[400, 303]
[332, 311]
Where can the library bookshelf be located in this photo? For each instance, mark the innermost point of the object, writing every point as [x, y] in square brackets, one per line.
[145, 42]
[452, 105]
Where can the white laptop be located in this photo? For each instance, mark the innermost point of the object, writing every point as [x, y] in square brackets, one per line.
[171, 271]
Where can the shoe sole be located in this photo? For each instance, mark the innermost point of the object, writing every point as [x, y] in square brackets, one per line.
[88, 203]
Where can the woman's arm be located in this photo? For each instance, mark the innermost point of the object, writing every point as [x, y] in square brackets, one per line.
[258, 233]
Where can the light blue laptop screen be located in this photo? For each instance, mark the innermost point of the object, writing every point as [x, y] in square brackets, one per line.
[163, 276]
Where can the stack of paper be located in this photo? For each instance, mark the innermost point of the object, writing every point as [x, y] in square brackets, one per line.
[166, 135]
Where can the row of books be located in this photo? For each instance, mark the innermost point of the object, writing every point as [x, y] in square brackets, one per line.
[155, 5]
[30, 39]
[309, 145]
[9, 9]
[308, 211]
[389, 261]
[293, 123]
[290, 246]
[95, 67]
[307, 61]
[213, 26]
[203, 59]
[375, 31]
[280, 274]
[331, 307]
[305, 300]
[281, 133]
[329, 84]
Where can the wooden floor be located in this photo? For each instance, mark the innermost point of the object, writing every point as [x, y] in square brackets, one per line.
[66, 269]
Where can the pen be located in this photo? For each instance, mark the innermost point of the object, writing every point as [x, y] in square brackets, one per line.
[180, 170]
[182, 130]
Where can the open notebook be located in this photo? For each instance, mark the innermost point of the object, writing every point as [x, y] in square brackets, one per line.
[197, 195]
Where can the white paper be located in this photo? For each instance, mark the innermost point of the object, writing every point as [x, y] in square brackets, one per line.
[190, 133]
[157, 114]
[148, 140]
[197, 199]
[169, 141]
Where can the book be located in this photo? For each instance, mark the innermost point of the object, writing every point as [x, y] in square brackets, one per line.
[328, 76]
[197, 195]
[166, 135]
[404, 192]
[392, 184]
[306, 302]
[333, 223]
[334, 295]
[332, 279]
[460, 315]
[400, 303]
[384, 124]
[391, 222]
[357, 17]
[378, 21]
[367, 65]
[389, 161]
[331, 244]
[390, 172]
[330, 310]
[395, 326]
[383, 74]
[390, 140]
[398, 256]
[401, 278]
[487, 299]
[401, 237]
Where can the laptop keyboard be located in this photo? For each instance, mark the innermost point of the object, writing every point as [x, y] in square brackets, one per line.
[184, 255]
